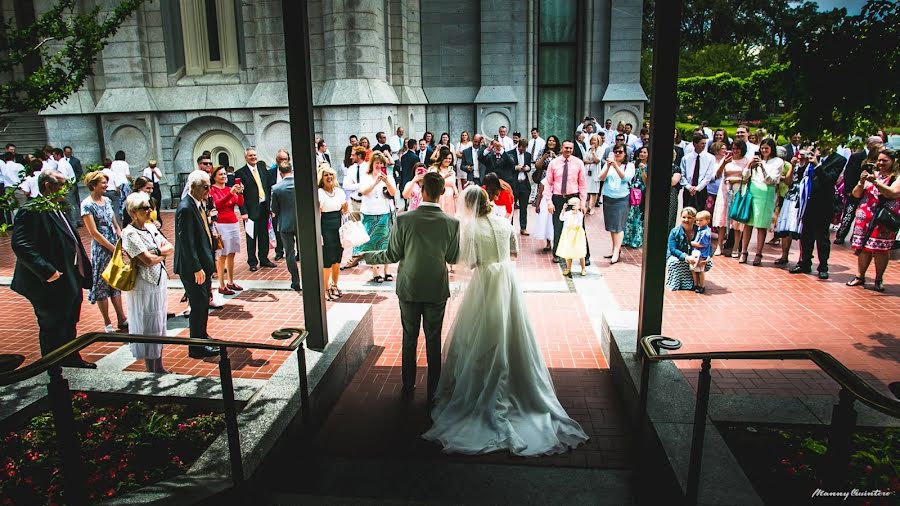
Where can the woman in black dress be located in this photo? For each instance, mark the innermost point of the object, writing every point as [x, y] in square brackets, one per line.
[332, 205]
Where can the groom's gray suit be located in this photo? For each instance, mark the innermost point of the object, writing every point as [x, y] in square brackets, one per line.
[424, 241]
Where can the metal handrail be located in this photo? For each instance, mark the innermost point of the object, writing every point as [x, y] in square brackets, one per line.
[843, 418]
[61, 401]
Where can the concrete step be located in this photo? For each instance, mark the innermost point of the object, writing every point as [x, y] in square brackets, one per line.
[340, 480]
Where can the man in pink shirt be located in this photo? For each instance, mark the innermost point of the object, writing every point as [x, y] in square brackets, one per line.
[565, 179]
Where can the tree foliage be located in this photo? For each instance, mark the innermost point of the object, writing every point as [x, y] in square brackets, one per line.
[67, 43]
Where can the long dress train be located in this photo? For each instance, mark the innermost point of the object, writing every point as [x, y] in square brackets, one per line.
[495, 391]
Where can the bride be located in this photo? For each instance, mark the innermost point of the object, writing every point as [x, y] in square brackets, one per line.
[495, 392]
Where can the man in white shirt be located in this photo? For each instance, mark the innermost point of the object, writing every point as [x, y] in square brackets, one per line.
[505, 141]
[742, 133]
[396, 141]
[588, 120]
[536, 144]
[322, 155]
[642, 141]
[704, 125]
[698, 168]
[358, 167]
[629, 137]
[608, 130]
[470, 163]
[64, 167]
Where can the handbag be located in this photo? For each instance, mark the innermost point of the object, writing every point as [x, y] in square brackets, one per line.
[741, 205]
[218, 243]
[120, 273]
[635, 196]
[353, 234]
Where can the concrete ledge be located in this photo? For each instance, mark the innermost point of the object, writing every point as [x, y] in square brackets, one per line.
[667, 431]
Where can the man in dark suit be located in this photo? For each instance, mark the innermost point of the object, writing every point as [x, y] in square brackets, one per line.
[194, 262]
[497, 161]
[522, 186]
[11, 148]
[282, 156]
[51, 271]
[817, 216]
[581, 146]
[283, 206]
[424, 152]
[471, 163]
[257, 195]
[851, 177]
[793, 147]
[406, 163]
[322, 155]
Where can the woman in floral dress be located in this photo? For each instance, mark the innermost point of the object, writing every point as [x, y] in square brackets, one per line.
[99, 218]
[634, 224]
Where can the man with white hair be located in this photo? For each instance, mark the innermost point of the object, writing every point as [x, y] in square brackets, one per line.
[194, 262]
[851, 177]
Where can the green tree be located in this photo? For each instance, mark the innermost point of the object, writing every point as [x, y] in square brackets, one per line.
[66, 43]
[843, 75]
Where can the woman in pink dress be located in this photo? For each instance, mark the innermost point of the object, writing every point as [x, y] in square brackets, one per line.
[446, 170]
[731, 165]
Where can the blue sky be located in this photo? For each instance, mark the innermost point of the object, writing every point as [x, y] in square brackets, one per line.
[852, 6]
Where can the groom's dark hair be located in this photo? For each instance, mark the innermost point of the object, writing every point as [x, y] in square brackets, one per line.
[433, 185]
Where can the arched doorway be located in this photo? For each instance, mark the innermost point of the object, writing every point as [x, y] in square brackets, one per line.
[225, 148]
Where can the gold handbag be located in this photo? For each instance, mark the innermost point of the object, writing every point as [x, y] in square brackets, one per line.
[119, 273]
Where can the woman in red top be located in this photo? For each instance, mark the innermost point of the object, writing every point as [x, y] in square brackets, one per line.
[225, 198]
[500, 193]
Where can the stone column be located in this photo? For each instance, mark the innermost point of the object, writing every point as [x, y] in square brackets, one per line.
[624, 98]
[504, 66]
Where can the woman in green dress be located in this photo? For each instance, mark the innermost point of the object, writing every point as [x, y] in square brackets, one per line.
[634, 224]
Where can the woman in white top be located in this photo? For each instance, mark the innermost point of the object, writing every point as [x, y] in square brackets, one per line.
[333, 206]
[146, 302]
[377, 188]
[592, 159]
[765, 173]
[464, 143]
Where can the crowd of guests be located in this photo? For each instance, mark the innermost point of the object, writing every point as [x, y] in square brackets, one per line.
[791, 192]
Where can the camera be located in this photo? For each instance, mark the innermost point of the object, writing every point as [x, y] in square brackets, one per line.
[385, 192]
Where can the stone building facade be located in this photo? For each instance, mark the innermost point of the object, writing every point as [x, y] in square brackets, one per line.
[183, 76]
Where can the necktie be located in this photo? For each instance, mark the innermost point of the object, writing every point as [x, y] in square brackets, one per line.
[565, 177]
[205, 218]
[533, 146]
[259, 186]
[59, 216]
[695, 178]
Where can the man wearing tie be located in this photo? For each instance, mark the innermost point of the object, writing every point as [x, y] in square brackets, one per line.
[194, 261]
[322, 155]
[257, 195]
[64, 167]
[497, 161]
[522, 185]
[424, 152]
[697, 168]
[51, 271]
[565, 179]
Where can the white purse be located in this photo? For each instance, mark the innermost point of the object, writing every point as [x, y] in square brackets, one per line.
[353, 234]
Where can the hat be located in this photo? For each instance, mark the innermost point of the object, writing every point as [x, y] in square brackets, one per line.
[574, 201]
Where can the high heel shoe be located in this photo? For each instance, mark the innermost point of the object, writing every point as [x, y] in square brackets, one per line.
[335, 291]
[743, 259]
[757, 260]
[735, 254]
[781, 261]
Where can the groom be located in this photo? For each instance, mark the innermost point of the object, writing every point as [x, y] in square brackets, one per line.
[424, 241]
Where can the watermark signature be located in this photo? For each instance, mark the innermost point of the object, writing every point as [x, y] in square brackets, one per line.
[845, 494]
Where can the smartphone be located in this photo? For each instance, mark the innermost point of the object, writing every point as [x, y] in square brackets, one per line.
[496, 137]
[420, 171]
[237, 181]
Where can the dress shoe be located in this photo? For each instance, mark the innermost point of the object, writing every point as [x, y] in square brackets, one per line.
[823, 274]
[226, 291]
[279, 256]
[254, 268]
[78, 363]
[524, 232]
[557, 259]
[213, 306]
[800, 270]
[838, 241]
[587, 262]
[202, 351]
[296, 287]
[268, 264]
[235, 287]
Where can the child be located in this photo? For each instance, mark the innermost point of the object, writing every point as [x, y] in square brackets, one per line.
[702, 245]
[572, 241]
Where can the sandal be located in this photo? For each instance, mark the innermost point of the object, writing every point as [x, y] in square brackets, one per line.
[757, 259]
[335, 291]
[567, 273]
[857, 281]
[328, 297]
[377, 279]
[743, 259]
[879, 285]
[735, 253]
[584, 273]
[351, 264]
[388, 277]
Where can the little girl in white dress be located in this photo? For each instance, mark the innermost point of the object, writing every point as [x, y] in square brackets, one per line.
[572, 241]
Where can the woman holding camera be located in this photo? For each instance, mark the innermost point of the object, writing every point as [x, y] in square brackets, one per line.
[377, 188]
[873, 238]
[765, 173]
[224, 199]
[444, 167]
[412, 192]
[616, 175]
[592, 159]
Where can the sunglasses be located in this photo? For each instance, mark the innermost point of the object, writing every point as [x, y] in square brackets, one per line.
[619, 152]
[205, 163]
[145, 208]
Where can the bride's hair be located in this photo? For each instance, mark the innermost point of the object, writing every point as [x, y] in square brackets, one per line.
[476, 200]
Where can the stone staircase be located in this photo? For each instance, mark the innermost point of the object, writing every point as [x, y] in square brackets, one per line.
[26, 130]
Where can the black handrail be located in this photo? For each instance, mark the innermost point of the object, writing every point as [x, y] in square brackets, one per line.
[843, 419]
[61, 400]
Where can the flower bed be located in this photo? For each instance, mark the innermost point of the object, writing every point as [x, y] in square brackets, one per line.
[785, 464]
[124, 447]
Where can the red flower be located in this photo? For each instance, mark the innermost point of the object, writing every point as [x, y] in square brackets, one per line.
[110, 492]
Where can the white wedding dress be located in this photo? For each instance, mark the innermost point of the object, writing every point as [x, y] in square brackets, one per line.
[495, 392]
